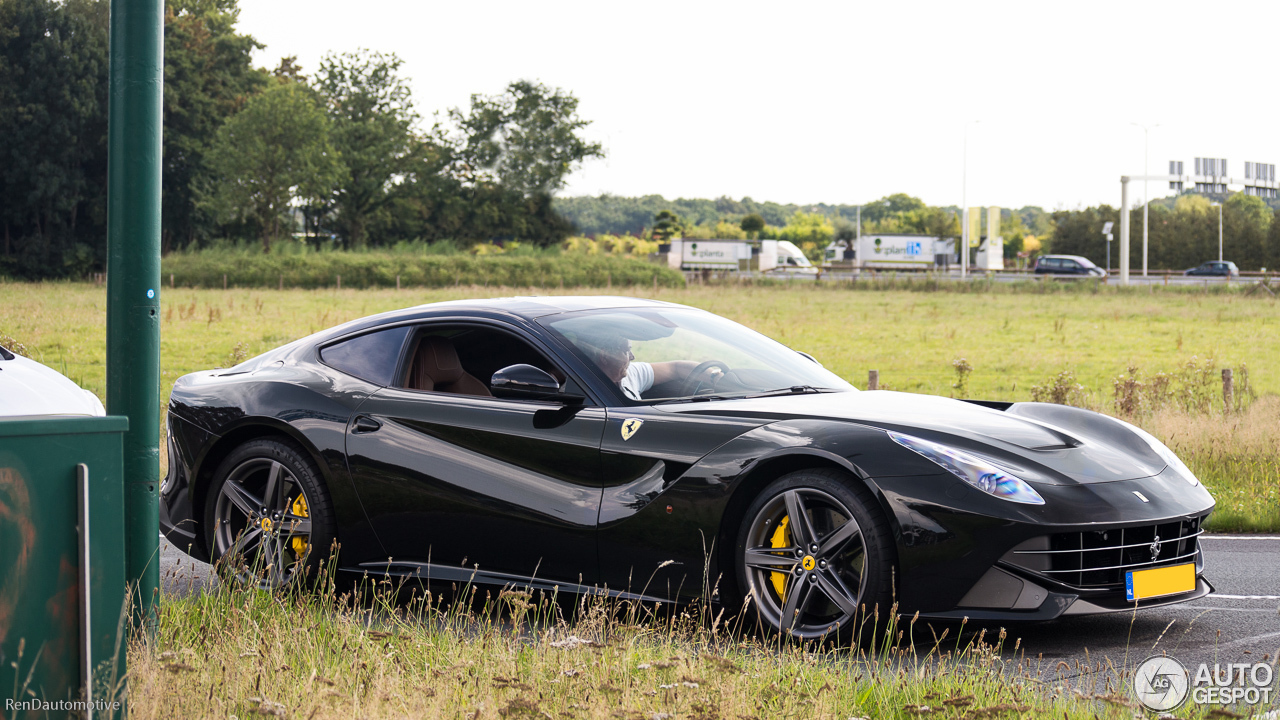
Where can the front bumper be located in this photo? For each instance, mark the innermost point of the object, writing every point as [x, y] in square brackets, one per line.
[961, 555]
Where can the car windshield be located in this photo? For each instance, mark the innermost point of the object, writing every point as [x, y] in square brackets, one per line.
[655, 354]
[1085, 262]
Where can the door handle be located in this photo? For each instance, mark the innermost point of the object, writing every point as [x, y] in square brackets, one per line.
[365, 424]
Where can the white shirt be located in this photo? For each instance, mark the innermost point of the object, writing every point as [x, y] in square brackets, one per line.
[639, 379]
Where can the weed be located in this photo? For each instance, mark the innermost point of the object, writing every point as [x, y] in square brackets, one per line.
[1061, 389]
[238, 354]
[963, 370]
[12, 345]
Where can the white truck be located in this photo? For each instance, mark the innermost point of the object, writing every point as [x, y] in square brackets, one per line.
[766, 256]
[893, 252]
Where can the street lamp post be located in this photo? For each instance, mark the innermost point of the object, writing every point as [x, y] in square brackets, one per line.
[1219, 206]
[1146, 199]
[964, 204]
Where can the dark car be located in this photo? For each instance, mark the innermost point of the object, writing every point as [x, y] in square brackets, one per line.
[653, 451]
[1067, 265]
[1216, 268]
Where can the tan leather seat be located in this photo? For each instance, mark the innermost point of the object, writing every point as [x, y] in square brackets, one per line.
[435, 367]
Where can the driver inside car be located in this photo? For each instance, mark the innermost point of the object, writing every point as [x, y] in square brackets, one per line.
[614, 357]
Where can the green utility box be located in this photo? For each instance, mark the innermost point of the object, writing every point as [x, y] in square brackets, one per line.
[63, 619]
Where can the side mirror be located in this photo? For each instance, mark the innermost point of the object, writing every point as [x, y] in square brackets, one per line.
[530, 383]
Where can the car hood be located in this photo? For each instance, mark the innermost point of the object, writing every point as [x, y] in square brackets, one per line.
[28, 388]
[1052, 444]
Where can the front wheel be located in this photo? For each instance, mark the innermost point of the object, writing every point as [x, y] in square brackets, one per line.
[816, 557]
[268, 516]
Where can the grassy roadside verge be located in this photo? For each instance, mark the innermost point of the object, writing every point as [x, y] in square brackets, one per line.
[243, 653]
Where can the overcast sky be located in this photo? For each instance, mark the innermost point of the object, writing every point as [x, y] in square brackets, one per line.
[842, 102]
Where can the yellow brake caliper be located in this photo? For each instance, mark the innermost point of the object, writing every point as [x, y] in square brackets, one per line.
[300, 509]
[779, 540]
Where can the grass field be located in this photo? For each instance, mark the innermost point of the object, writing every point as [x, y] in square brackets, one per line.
[246, 653]
[1012, 341]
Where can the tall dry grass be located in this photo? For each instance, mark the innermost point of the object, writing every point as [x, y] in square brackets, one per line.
[1235, 455]
[237, 653]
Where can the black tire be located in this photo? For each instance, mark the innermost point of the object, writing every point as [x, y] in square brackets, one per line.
[292, 539]
[844, 570]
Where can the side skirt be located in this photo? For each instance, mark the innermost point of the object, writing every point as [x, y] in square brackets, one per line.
[430, 572]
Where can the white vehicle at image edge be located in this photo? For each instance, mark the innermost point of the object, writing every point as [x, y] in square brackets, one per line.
[28, 388]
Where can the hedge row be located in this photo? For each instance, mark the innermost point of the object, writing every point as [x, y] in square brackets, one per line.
[364, 270]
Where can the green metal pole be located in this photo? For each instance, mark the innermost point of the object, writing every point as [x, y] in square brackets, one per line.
[133, 276]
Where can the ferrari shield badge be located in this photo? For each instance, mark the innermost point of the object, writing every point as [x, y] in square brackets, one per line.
[630, 426]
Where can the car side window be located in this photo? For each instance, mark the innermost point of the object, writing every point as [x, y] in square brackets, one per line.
[372, 356]
[1070, 265]
[462, 358]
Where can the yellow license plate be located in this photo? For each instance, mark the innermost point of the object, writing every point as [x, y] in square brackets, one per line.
[1142, 584]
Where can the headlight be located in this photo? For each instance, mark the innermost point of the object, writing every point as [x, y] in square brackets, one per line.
[1165, 454]
[977, 472]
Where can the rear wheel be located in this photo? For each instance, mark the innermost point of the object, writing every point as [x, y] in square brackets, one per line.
[268, 517]
[816, 557]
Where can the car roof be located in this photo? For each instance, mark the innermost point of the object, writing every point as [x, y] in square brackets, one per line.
[534, 306]
[526, 307]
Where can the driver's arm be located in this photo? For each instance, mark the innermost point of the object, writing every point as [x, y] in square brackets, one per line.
[672, 370]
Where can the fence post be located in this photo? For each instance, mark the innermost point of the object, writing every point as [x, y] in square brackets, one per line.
[397, 282]
[339, 282]
[224, 281]
[873, 380]
[170, 281]
[1228, 389]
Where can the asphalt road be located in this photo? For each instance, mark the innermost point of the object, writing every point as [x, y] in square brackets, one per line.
[1135, 278]
[1239, 622]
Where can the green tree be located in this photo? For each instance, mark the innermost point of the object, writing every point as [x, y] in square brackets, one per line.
[1079, 232]
[372, 119]
[274, 150]
[53, 112]
[208, 77]
[667, 225]
[1246, 223]
[889, 206]
[527, 139]
[808, 228]
[752, 224]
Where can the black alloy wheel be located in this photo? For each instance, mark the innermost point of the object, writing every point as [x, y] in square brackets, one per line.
[816, 558]
[268, 516]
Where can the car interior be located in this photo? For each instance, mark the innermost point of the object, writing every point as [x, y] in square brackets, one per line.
[462, 359]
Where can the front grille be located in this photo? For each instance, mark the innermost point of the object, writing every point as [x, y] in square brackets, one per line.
[1099, 559]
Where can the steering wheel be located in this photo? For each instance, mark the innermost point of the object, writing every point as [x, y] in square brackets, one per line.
[691, 383]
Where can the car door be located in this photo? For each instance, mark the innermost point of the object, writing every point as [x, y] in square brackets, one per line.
[459, 483]
[645, 533]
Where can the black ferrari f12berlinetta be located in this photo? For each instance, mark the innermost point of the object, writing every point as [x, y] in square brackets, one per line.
[649, 450]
